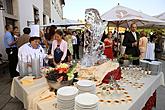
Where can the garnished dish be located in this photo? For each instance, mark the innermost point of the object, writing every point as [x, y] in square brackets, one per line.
[62, 74]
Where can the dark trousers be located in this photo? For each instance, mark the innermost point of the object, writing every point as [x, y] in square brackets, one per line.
[13, 60]
[75, 51]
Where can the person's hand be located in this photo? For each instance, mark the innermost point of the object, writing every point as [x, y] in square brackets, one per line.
[16, 39]
[134, 44]
[50, 56]
[59, 62]
[55, 64]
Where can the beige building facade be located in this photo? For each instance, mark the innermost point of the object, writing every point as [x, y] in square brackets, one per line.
[23, 13]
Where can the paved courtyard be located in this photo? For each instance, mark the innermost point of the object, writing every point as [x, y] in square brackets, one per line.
[9, 103]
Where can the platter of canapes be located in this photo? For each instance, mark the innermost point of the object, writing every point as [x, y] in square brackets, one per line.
[134, 84]
[113, 96]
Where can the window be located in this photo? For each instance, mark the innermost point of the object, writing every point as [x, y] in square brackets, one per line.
[10, 21]
[36, 16]
[9, 6]
[1, 4]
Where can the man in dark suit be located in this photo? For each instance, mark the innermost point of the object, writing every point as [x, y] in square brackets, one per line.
[131, 42]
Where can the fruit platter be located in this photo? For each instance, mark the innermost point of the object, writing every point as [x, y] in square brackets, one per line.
[61, 75]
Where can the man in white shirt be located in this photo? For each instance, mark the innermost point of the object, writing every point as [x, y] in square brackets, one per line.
[75, 46]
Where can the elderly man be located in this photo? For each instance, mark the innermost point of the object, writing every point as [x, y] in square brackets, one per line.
[131, 42]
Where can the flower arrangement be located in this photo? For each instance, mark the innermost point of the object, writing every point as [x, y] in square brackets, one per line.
[62, 72]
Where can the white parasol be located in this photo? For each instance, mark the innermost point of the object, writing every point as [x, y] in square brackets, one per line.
[161, 16]
[121, 16]
[65, 23]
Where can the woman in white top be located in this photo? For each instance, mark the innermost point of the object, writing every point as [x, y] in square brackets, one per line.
[150, 51]
[59, 48]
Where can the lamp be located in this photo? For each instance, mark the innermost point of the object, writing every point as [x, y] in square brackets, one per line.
[1, 5]
[63, 3]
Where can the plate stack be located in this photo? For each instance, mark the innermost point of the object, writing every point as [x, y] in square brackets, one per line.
[86, 86]
[66, 98]
[86, 101]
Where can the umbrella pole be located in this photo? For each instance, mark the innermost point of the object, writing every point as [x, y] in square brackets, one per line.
[108, 27]
[117, 25]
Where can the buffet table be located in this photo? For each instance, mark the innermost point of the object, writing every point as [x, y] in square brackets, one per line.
[26, 93]
[139, 96]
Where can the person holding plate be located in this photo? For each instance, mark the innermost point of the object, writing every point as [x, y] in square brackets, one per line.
[32, 49]
[59, 48]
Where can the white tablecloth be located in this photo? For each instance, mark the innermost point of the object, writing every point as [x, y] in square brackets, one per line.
[26, 93]
[139, 96]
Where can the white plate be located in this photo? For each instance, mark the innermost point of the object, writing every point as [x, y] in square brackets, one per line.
[65, 101]
[92, 92]
[86, 83]
[86, 99]
[84, 88]
[65, 106]
[67, 93]
[81, 108]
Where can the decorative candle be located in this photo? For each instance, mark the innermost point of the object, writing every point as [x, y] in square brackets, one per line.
[22, 67]
[36, 66]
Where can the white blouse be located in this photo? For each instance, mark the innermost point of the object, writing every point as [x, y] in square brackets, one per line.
[26, 52]
[150, 52]
[63, 48]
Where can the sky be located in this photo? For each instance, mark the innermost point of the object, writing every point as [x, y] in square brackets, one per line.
[75, 9]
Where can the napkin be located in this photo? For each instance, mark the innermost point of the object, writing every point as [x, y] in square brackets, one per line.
[46, 95]
[27, 80]
[43, 96]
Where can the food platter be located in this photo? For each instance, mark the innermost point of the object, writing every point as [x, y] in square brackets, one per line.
[59, 76]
